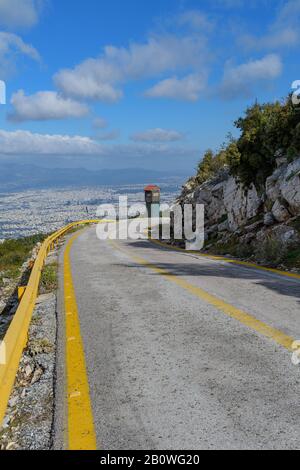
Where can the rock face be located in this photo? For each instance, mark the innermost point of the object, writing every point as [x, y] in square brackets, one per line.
[240, 205]
[230, 209]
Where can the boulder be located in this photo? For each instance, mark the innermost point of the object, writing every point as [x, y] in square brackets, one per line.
[273, 186]
[279, 212]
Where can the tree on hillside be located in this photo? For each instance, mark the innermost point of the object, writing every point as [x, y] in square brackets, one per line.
[266, 132]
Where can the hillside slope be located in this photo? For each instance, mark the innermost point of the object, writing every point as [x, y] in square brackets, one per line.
[246, 222]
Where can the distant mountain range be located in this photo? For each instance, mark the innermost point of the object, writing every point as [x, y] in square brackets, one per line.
[16, 177]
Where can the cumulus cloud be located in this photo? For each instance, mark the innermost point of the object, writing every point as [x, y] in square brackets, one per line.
[188, 88]
[19, 13]
[99, 79]
[11, 46]
[157, 135]
[240, 81]
[44, 105]
[26, 143]
[87, 81]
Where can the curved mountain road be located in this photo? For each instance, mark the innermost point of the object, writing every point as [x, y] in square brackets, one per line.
[178, 351]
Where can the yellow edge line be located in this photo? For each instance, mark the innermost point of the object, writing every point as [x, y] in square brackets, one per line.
[81, 430]
[246, 319]
[222, 258]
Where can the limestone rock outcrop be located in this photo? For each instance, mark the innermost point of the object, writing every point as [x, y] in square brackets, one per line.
[250, 213]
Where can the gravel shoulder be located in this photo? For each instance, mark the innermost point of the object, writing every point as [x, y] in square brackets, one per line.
[29, 420]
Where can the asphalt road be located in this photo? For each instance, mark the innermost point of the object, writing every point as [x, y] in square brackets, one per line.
[172, 359]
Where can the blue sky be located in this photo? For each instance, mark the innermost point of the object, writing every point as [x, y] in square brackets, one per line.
[131, 83]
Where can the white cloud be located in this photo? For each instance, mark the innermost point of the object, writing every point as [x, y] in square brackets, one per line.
[87, 81]
[26, 143]
[157, 135]
[188, 88]
[19, 13]
[241, 80]
[288, 14]
[11, 46]
[281, 38]
[44, 105]
[10, 42]
[195, 19]
[98, 79]
[283, 32]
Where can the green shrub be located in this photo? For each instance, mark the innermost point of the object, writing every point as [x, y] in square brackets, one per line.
[233, 248]
[13, 253]
[210, 165]
[296, 224]
[266, 131]
[292, 258]
[271, 251]
[48, 282]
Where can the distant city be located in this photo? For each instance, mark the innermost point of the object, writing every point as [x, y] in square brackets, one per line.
[29, 212]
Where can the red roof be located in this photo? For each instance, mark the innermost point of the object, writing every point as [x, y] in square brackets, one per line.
[152, 187]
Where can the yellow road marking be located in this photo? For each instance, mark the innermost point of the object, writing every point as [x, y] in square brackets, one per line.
[222, 258]
[245, 318]
[81, 431]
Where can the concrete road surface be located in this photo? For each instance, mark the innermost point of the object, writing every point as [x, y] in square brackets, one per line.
[182, 352]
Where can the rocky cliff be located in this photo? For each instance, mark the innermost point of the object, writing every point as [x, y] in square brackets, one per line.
[244, 221]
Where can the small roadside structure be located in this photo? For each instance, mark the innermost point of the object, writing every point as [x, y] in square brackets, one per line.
[152, 199]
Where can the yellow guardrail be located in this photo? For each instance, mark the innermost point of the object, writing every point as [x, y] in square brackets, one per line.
[16, 337]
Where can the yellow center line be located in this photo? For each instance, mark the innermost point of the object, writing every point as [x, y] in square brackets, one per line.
[227, 260]
[81, 431]
[245, 318]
